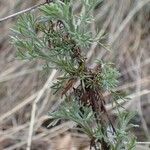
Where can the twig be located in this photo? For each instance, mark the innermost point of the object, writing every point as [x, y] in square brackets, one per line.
[21, 12]
[132, 84]
[110, 107]
[34, 105]
[143, 143]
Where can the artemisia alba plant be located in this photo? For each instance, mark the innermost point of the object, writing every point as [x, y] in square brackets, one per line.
[62, 38]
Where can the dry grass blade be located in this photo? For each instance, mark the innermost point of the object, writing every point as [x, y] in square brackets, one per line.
[139, 6]
[21, 12]
[34, 106]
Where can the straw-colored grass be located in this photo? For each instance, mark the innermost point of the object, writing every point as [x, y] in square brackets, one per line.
[24, 89]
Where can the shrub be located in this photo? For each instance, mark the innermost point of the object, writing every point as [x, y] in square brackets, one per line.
[62, 38]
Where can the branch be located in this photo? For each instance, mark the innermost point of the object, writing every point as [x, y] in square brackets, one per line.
[21, 12]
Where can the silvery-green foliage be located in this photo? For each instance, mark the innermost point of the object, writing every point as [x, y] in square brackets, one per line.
[61, 38]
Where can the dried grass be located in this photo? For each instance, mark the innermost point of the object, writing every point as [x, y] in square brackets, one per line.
[127, 25]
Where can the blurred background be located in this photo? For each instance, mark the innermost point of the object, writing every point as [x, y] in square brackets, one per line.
[127, 24]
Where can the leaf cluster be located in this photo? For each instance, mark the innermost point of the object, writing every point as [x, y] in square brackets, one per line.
[124, 140]
[73, 110]
[60, 37]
